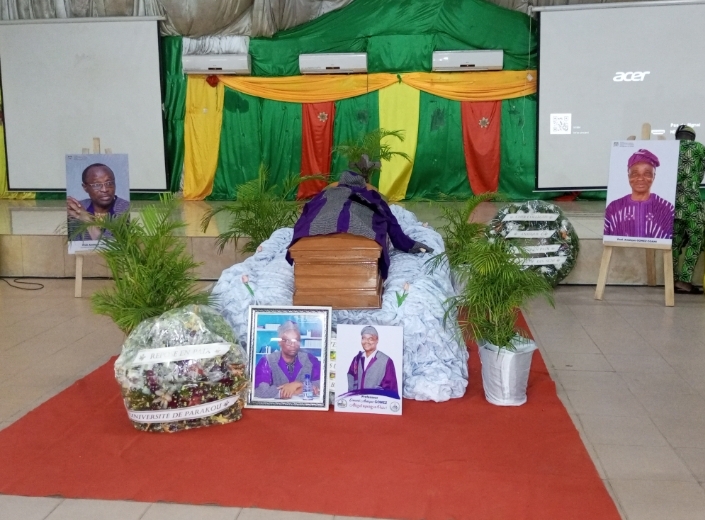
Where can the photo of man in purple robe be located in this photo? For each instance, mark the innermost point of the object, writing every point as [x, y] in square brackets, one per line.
[280, 375]
[371, 371]
[98, 181]
[640, 214]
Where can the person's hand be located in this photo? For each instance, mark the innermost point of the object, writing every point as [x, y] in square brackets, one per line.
[316, 390]
[76, 211]
[288, 390]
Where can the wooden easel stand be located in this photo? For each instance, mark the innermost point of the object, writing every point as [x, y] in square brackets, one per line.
[78, 285]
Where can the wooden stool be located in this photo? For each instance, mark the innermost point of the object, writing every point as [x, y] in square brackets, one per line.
[340, 271]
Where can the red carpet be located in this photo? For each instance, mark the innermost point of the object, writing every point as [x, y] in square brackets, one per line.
[460, 459]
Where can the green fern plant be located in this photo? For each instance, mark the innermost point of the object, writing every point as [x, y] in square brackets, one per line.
[151, 270]
[458, 231]
[259, 210]
[495, 284]
[371, 145]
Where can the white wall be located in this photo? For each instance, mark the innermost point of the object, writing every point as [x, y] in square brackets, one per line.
[581, 53]
[67, 81]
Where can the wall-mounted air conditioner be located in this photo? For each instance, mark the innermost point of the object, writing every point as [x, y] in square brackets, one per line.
[459, 61]
[339, 63]
[216, 64]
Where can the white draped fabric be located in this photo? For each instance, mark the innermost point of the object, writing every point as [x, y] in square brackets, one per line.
[435, 362]
[192, 18]
[201, 18]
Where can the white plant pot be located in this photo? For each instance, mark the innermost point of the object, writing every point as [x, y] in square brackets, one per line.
[505, 373]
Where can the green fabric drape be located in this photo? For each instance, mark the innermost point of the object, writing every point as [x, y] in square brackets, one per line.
[240, 144]
[400, 35]
[439, 167]
[174, 109]
[517, 171]
[354, 117]
[400, 52]
[281, 140]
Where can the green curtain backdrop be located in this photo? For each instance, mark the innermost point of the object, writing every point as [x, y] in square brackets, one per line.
[439, 167]
[401, 35]
[174, 109]
[281, 139]
[239, 155]
[517, 169]
[354, 117]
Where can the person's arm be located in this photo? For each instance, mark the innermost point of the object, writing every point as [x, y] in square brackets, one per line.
[399, 239]
[351, 375]
[389, 381]
[77, 212]
[264, 382]
[608, 230]
[315, 374]
[701, 150]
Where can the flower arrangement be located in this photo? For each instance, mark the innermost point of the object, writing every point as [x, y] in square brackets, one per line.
[182, 370]
[543, 232]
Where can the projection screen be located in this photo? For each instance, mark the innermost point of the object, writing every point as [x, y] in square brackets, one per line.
[65, 82]
[604, 71]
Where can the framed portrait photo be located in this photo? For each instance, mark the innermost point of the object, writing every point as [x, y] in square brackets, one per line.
[369, 369]
[641, 192]
[97, 187]
[288, 352]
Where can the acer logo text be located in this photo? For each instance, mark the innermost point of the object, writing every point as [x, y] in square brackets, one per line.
[630, 76]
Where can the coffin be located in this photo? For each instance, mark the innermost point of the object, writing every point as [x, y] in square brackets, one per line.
[340, 271]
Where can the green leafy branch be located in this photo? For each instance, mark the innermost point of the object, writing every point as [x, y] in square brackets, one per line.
[151, 269]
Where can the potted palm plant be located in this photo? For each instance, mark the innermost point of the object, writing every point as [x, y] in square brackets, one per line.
[151, 269]
[459, 230]
[492, 286]
[261, 207]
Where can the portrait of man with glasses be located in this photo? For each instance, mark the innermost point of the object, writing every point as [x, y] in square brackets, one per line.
[281, 374]
[99, 183]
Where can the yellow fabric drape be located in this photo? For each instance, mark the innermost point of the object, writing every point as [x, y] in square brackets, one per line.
[204, 117]
[474, 86]
[309, 89]
[460, 86]
[399, 110]
[192, 213]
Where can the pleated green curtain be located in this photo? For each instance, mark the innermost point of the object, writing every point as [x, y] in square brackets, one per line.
[439, 167]
[517, 169]
[400, 36]
[174, 109]
[281, 139]
[354, 117]
[239, 155]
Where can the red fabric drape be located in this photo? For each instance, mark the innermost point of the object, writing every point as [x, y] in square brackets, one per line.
[481, 120]
[316, 143]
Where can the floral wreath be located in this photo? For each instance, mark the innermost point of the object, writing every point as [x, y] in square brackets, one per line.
[562, 244]
[183, 383]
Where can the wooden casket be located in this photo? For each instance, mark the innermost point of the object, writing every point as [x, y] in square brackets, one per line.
[340, 271]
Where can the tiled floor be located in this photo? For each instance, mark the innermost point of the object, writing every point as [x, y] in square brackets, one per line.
[630, 371]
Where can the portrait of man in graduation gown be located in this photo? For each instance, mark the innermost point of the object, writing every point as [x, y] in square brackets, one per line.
[372, 372]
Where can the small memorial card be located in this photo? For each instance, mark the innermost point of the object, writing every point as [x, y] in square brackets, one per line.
[369, 369]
